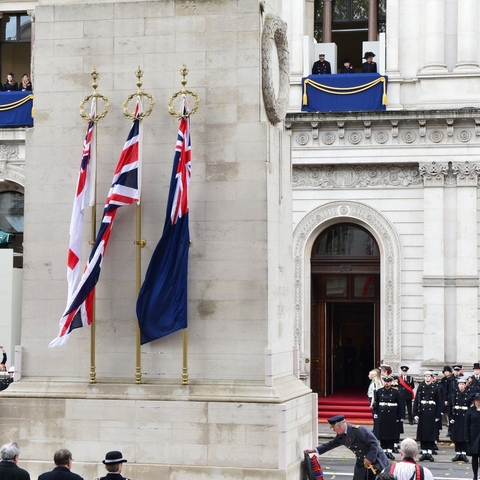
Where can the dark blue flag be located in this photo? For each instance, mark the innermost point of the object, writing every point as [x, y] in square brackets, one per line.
[162, 301]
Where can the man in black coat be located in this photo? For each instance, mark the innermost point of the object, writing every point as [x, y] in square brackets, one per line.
[63, 463]
[389, 411]
[321, 66]
[427, 409]
[369, 66]
[370, 458]
[9, 470]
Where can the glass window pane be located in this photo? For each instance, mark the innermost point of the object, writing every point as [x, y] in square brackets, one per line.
[11, 212]
[360, 9]
[11, 29]
[364, 287]
[341, 10]
[336, 287]
[25, 28]
[346, 240]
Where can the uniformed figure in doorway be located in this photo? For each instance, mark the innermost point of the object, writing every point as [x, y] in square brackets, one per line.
[369, 66]
[370, 458]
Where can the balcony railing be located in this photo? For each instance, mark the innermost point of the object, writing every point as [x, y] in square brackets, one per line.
[16, 109]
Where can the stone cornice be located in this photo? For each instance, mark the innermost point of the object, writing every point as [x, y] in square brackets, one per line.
[382, 129]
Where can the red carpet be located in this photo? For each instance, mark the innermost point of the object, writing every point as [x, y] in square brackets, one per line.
[353, 404]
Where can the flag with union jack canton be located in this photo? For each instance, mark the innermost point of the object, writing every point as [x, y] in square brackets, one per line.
[123, 191]
[162, 301]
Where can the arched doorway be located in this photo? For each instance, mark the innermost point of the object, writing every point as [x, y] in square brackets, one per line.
[305, 235]
[345, 308]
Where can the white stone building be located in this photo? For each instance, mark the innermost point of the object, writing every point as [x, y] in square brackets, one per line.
[310, 230]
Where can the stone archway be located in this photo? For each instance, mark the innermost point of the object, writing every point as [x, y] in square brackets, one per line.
[390, 279]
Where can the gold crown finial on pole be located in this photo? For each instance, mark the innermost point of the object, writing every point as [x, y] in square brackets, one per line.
[183, 91]
[139, 93]
[94, 96]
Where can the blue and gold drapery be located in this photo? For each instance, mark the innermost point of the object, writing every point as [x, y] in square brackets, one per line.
[16, 109]
[344, 92]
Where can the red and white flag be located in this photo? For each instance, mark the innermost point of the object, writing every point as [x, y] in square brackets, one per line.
[123, 191]
[84, 196]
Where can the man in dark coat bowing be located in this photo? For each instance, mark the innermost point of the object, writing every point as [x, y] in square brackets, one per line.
[370, 458]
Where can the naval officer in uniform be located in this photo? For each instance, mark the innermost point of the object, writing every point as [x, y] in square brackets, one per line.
[370, 458]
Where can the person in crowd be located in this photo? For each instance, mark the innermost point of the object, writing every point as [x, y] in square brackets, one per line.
[476, 374]
[321, 66]
[113, 463]
[369, 66]
[362, 442]
[439, 426]
[458, 404]
[471, 387]
[3, 365]
[10, 85]
[63, 464]
[445, 382]
[427, 410]
[406, 384]
[387, 410]
[408, 468]
[385, 370]
[375, 384]
[9, 470]
[347, 67]
[472, 426]
[400, 430]
[26, 85]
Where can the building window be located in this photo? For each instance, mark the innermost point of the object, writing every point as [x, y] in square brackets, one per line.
[17, 27]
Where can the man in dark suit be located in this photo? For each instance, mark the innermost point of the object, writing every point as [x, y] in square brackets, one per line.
[370, 458]
[9, 470]
[63, 464]
[406, 384]
[321, 66]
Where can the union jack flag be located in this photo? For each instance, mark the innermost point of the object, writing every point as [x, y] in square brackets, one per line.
[123, 191]
[162, 300]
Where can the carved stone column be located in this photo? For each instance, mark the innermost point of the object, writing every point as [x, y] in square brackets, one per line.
[467, 34]
[433, 261]
[434, 37]
[466, 277]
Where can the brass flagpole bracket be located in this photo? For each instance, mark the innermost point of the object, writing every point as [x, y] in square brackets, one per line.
[139, 93]
[183, 91]
[94, 96]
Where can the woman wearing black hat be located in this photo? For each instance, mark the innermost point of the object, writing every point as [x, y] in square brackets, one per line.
[472, 424]
[113, 463]
[369, 66]
[347, 66]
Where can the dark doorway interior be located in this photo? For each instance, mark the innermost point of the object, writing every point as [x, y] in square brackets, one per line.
[345, 316]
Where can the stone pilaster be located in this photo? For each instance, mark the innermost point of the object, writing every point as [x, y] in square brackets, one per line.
[433, 260]
[466, 275]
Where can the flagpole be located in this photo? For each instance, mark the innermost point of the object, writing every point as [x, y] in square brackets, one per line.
[95, 118]
[139, 241]
[182, 114]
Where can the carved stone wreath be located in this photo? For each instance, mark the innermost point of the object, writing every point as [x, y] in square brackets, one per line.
[275, 33]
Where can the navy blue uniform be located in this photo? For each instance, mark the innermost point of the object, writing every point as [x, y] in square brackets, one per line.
[363, 444]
